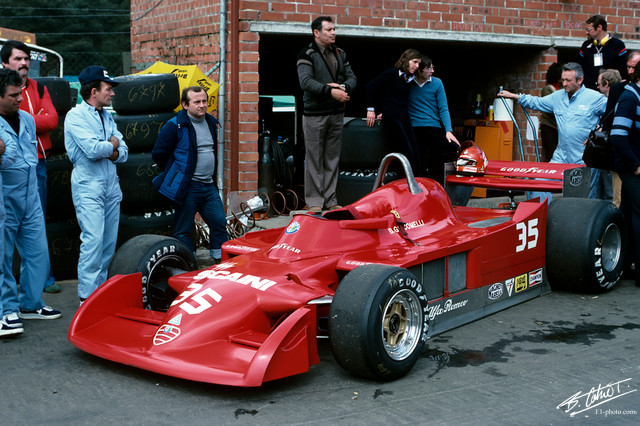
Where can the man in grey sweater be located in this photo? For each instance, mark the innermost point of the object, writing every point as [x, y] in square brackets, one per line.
[326, 78]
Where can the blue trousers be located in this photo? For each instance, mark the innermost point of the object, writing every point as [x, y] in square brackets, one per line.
[2, 218]
[41, 172]
[201, 198]
[25, 229]
[97, 204]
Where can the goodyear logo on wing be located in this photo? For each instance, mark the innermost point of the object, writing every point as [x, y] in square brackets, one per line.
[521, 283]
[529, 170]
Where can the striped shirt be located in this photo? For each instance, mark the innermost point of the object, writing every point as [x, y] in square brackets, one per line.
[625, 132]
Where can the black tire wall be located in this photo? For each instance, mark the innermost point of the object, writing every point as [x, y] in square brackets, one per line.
[146, 93]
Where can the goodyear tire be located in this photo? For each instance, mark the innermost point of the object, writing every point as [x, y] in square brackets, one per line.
[146, 93]
[59, 200]
[157, 257]
[356, 184]
[59, 91]
[136, 181]
[378, 322]
[64, 248]
[140, 131]
[156, 222]
[362, 147]
[585, 244]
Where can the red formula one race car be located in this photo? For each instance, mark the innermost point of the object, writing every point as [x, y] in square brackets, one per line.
[377, 278]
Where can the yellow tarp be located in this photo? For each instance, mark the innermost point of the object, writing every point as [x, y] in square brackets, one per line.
[188, 75]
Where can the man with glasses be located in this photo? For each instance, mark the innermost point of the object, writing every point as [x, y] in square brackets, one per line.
[599, 51]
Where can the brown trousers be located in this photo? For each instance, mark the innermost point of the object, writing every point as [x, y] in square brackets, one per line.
[323, 139]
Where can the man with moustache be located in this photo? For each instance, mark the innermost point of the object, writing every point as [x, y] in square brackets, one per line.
[36, 101]
[326, 78]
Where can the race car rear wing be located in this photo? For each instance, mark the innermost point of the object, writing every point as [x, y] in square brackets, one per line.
[572, 180]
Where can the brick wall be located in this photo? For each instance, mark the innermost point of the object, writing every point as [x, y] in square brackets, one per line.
[187, 32]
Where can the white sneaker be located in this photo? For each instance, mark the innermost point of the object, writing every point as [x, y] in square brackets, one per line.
[13, 320]
[6, 330]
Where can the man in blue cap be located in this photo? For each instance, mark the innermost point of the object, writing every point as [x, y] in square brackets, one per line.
[94, 146]
[24, 226]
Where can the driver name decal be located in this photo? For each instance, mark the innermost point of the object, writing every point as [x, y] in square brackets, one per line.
[259, 283]
[407, 226]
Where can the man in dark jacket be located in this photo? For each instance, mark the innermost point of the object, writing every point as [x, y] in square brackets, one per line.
[625, 137]
[186, 153]
[600, 50]
[326, 78]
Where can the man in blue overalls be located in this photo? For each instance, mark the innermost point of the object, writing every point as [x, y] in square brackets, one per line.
[24, 225]
[94, 146]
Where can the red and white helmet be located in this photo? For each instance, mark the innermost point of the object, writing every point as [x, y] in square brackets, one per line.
[472, 160]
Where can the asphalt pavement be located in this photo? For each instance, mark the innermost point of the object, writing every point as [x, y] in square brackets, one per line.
[563, 358]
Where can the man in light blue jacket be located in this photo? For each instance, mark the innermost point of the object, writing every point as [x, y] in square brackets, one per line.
[24, 225]
[94, 145]
[577, 110]
[8, 154]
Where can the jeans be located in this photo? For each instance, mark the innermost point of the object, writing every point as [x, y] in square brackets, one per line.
[201, 198]
[41, 173]
[23, 228]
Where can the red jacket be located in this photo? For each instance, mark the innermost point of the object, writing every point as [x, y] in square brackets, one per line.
[42, 111]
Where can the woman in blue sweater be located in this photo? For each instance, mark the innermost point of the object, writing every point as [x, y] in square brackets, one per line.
[387, 98]
[431, 122]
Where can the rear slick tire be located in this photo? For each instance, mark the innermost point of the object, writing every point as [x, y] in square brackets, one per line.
[378, 322]
[585, 244]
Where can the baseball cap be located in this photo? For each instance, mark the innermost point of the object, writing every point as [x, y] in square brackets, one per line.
[95, 73]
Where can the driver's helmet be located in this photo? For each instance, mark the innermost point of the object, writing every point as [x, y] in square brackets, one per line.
[472, 160]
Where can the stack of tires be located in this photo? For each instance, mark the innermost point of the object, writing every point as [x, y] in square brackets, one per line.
[362, 150]
[143, 104]
[63, 232]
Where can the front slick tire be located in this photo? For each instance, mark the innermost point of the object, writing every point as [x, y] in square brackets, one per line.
[158, 258]
[378, 322]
